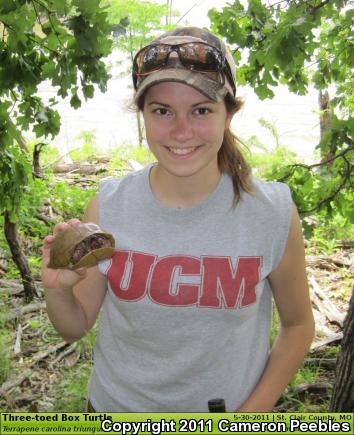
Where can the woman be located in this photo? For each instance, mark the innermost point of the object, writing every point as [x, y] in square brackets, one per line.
[202, 246]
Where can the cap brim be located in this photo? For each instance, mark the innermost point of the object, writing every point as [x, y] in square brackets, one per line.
[199, 81]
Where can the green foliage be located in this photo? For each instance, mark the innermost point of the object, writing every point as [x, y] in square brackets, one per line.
[306, 375]
[31, 205]
[15, 173]
[50, 156]
[70, 201]
[62, 42]
[74, 381]
[88, 148]
[327, 187]
[289, 42]
[301, 44]
[5, 343]
[135, 22]
[325, 231]
[5, 362]
[65, 200]
[122, 154]
[73, 396]
[265, 162]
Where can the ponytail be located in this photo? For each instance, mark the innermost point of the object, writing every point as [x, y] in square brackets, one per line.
[230, 158]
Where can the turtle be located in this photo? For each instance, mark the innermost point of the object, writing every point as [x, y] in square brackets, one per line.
[82, 245]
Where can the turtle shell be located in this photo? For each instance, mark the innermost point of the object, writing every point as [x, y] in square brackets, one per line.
[80, 246]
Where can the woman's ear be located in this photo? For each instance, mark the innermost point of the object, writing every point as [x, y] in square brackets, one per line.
[229, 116]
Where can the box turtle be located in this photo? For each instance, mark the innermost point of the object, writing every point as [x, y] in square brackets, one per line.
[82, 245]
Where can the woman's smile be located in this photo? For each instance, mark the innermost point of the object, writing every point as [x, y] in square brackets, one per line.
[183, 152]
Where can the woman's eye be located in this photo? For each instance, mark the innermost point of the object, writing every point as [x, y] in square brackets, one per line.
[202, 111]
[161, 111]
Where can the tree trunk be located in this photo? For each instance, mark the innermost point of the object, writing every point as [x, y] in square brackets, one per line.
[140, 129]
[325, 114]
[36, 167]
[12, 237]
[168, 12]
[343, 391]
[325, 124]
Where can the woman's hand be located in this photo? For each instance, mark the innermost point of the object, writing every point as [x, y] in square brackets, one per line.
[59, 279]
[73, 298]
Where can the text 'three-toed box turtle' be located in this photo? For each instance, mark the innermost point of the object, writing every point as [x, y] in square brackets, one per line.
[82, 245]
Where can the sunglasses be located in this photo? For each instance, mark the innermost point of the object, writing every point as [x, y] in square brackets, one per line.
[196, 56]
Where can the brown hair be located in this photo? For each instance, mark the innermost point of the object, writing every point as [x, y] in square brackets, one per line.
[230, 158]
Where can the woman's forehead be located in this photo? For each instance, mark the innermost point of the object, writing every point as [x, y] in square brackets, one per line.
[175, 92]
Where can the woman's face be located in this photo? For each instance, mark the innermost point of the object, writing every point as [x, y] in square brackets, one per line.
[184, 129]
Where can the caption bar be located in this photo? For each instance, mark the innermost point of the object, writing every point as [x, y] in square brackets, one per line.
[175, 423]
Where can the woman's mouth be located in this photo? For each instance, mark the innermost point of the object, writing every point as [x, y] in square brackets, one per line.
[183, 152]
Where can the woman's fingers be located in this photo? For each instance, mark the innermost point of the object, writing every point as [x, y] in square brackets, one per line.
[82, 271]
[73, 222]
[65, 225]
[60, 227]
[46, 248]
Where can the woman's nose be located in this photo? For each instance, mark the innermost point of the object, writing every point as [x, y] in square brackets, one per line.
[182, 129]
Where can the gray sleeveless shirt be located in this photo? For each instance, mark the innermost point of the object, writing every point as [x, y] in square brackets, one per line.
[186, 317]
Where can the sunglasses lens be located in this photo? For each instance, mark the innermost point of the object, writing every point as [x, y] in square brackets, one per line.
[196, 56]
[201, 57]
[150, 59]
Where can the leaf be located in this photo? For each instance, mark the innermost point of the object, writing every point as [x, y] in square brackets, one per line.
[88, 91]
[8, 6]
[263, 91]
[87, 6]
[75, 101]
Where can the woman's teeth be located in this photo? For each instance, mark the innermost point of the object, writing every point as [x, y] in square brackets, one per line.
[182, 151]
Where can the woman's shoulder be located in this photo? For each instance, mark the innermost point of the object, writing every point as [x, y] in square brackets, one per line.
[271, 191]
[113, 183]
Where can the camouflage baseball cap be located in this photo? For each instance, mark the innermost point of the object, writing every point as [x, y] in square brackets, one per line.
[214, 85]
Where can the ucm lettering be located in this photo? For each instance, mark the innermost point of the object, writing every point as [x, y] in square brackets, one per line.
[184, 280]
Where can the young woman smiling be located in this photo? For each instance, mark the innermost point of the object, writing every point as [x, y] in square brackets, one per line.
[203, 248]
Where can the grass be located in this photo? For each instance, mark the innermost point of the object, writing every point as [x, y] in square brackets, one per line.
[5, 345]
[5, 362]
[71, 391]
[305, 375]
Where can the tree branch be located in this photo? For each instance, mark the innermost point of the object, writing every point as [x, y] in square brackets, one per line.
[44, 6]
[35, 10]
[319, 6]
[336, 191]
[315, 165]
[48, 14]
[6, 25]
[346, 177]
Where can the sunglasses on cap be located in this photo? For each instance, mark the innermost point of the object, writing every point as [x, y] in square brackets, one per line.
[195, 56]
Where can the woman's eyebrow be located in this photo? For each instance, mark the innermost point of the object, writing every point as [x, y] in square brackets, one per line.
[158, 103]
[203, 102]
[193, 105]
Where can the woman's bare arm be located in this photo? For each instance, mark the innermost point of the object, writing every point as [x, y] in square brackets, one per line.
[291, 295]
[73, 298]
